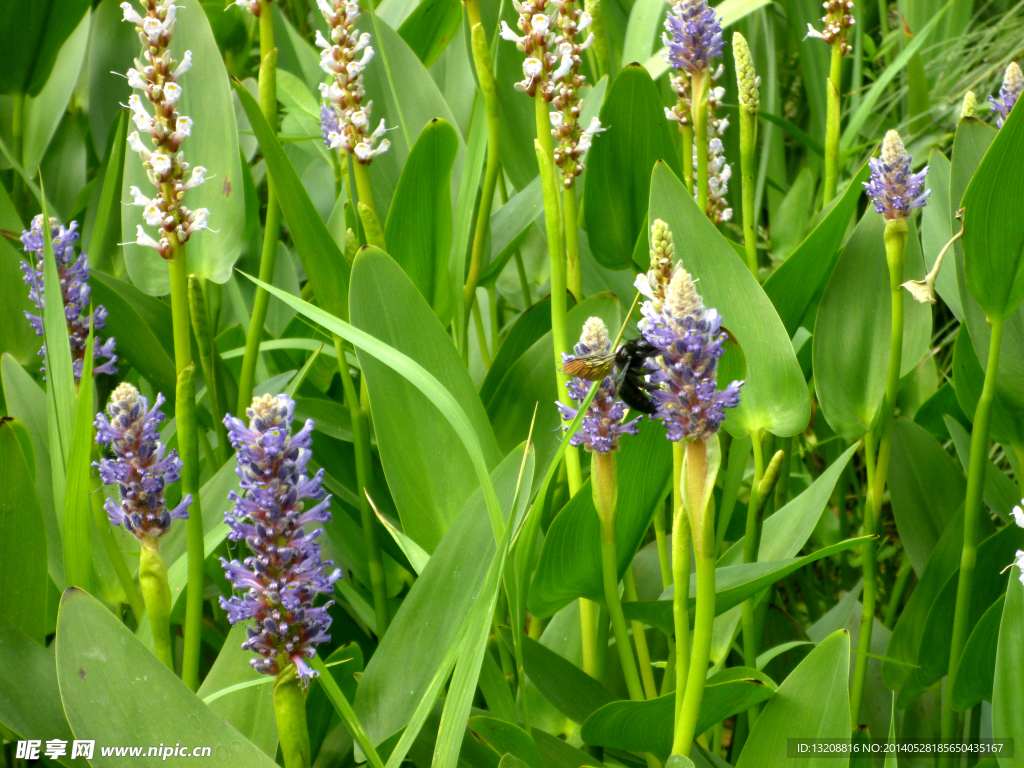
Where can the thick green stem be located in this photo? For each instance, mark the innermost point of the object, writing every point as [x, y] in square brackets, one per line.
[188, 451]
[207, 359]
[898, 588]
[605, 485]
[481, 336]
[702, 522]
[751, 537]
[156, 594]
[699, 117]
[574, 273]
[665, 562]
[680, 578]
[290, 714]
[272, 225]
[832, 125]
[361, 171]
[364, 475]
[974, 508]
[748, 143]
[686, 156]
[524, 281]
[643, 653]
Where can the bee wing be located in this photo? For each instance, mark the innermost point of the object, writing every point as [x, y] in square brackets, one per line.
[590, 367]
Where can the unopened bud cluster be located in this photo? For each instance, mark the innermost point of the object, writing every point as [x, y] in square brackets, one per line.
[656, 280]
[344, 118]
[838, 19]
[747, 81]
[156, 75]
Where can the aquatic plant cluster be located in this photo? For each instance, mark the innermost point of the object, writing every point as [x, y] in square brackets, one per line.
[543, 369]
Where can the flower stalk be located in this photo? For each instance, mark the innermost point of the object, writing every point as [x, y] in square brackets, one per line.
[748, 86]
[751, 539]
[290, 714]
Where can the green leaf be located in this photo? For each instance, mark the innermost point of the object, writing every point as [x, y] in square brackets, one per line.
[509, 226]
[429, 487]
[206, 98]
[419, 225]
[976, 671]
[345, 663]
[77, 525]
[968, 380]
[22, 539]
[619, 166]
[323, 261]
[999, 493]
[31, 703]
[558, 754]
[993, 240]
[31, 36]
[16, 336]
[430, 28]
[507, 739]
[853, 330]
[797, 283]
[103, 218]
[647, 726]
[1007, 694]
[813, 701]
[570, 561]
[937, 229]
[774, 397]
[926, 487]
[113, 43]
[107, 678]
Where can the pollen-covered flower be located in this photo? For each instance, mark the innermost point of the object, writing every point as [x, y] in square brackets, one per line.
[74, 287]
[602, 425]
[156, 75]
[837, 19]
[892, 187]
[284, 574]
[1009, 92]
[689, 341]
[344, 118]
[141, 470]
[693, 34]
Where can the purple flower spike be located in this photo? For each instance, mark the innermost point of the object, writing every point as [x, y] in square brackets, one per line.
[141, 469]
[689, 341]
[602, 426]
[1013, 84]
[693, 34]
[74, 283]
[892, 187]
[284, 573]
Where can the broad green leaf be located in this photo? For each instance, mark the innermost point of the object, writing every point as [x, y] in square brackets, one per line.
[999, 493]
[647, 726]
[507, 739]
[509, 226]
[797, 283]
[429, 487]
[213, 144]
[250, 710]
[16, 336]
[107, 678]
[524, 332]
[556, 753]
[22, 536]
[426, 630]
[645, 21]
[113, 43]
[993, 240]
[419, 224]
[1007, 694]
[926, 487]
[976, 671]
[936, 230]
[323, 261]
[570, 561]
[813, 701]
[465, 205]
[619, 166]
[77, 523]
[31, 38]
[853, 330]
[774, 397]
[30, 705]
[933, 656]
[430, 28]
[968, 380]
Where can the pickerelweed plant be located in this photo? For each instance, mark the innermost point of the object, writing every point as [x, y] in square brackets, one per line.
[157, 76]
[74, 286]
[1009, 92]
[689, 341]
[142, 470]
[284, 574]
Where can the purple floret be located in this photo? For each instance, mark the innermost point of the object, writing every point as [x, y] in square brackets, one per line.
[693, 34]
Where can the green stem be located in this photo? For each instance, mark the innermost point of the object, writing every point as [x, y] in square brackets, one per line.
[752, 534]
[664, 561]
[481, 335]
[188, 450]
[895, 248]
[156, 594]
[364, 476]
[272, 225]
[748, 143]
[643, 653]
[574, 274]
[898, 588]
[524, 281]
[290, 714]
[346, 713]
[680, 578]
[686, 156]
[832, 125]
[702, 521]
[207, 354]
[602, 53]
[974, 509]
[605, 484]
[699, 117]
[365, 208]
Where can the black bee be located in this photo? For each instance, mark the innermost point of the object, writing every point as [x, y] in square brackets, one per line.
[628, 364]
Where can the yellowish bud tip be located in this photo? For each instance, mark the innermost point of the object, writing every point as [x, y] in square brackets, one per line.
[747, 82]
[970, 106]
[892, 148]
[595, 336]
